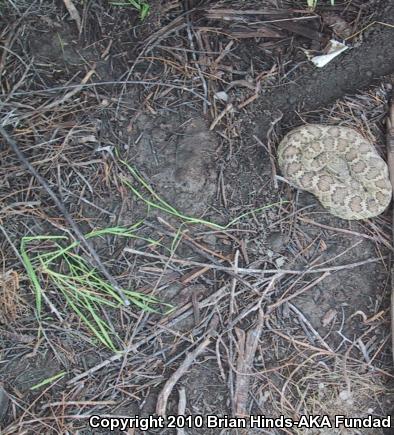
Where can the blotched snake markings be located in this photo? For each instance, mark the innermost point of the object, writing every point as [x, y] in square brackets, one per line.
[339, 166]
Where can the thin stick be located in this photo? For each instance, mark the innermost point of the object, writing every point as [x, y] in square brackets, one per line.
[95, 260]
[114, 83]
[299, 292]
[343, 230]
[181, 408]
[242, 270]
[226, 110]
[316, 335]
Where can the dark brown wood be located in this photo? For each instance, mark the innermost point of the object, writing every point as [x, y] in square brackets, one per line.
[303, 28]
[233, 14]
[283, 19]
[263, 32]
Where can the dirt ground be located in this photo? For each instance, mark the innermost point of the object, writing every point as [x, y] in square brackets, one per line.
[167, 126]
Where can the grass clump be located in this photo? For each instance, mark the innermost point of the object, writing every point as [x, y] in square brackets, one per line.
[141, 6]
[83, 290]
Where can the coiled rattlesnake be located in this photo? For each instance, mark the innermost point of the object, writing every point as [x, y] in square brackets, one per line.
[339, 166]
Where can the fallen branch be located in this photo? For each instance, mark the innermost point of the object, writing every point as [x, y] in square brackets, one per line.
[247, 346]
[182, 369]
[390, 162]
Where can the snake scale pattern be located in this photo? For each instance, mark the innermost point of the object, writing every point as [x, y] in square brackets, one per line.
[339, 166]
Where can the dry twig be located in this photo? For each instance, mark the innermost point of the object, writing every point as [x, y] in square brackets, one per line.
[74, 14]
[181, 408]
[182, 369]
[250, 271]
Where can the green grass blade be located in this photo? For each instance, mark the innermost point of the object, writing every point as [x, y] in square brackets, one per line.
[31, 274]
[164, 206]
[48, 381]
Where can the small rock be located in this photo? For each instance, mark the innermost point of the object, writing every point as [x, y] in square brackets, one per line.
[292, 100]
[159, 135]
[222, 96]
[277, 241]
[345, 395]
[210, 239]
[264, 397]
[329, 317]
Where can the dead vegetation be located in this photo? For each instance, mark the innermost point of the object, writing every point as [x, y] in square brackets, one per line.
[277, 308]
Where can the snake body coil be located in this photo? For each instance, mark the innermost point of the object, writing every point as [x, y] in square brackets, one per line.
[339, 166]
